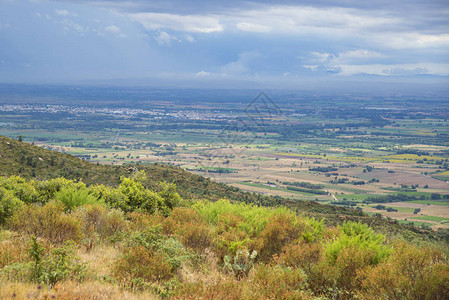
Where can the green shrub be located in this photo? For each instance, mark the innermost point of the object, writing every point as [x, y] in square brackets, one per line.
[348, 266]
[253, 218]
[361, 236]
[131, 195]
[8, 204]
[21, 188]
[153, 239]
[355, 248]
[137, 196]
[48, 188]
[116, 199]
[73, 198]
[170, 197]
[313, 230]
[60, 264]
[20, 271]
[49, 267]
[149, 256]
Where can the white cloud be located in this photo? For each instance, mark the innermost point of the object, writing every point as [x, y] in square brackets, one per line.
[305, 19]
[331, 63]
[251, 27]
[164, 38]
[62, 12]
[359, 53]
[203, 74]
[189, 38]
[317, 57]
[112, 28]
[411, 40]
[189, 23]
[375, 27]
[69, 25]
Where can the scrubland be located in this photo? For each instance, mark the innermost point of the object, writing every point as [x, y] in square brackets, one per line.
[62, 239]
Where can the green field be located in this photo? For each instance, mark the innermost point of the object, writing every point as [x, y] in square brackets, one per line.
[432, 218]
[432, 202]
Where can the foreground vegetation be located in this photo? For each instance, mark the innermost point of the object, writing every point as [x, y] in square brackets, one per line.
[60, 238]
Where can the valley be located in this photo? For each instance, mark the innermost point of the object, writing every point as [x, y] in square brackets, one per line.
[346, 149]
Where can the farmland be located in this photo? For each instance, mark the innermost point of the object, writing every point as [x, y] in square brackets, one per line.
[352, 147]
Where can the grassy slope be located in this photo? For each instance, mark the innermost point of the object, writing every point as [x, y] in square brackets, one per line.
[19, 158]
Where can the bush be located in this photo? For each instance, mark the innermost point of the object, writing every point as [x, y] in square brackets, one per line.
[337, 273]
[138, 262]
[410, 273]
[277, 282]
[73, 198]
[314, 230]
[48, 222]
[20, 188]
[48, 188]
[170, 197]
[229, 237]
[252, 219]
[98, 220]
[361, 236]
[131, 195]
[280, 231]
[60, 264]
[350, 262]
[50, 268]
[303, 256]
[8, 204]
[149, 257]
[189, 227]
[141, 221]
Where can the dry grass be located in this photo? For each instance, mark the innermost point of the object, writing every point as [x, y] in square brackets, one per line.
[69, 290]
[100, 258]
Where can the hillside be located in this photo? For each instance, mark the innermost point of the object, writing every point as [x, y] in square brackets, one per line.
[29, 161]
[136, 237]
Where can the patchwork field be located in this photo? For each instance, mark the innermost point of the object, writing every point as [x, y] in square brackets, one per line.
[310, 148]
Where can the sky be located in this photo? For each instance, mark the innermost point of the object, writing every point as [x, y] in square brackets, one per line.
[225, 43]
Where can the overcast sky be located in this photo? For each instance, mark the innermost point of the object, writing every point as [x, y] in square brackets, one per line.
[223, 41]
